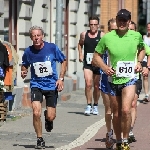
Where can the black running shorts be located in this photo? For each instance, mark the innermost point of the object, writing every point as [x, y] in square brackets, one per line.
[138, 87]
[51, 96]
[95, 70]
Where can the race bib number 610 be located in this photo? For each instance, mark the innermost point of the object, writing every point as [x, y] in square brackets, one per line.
[125, 69]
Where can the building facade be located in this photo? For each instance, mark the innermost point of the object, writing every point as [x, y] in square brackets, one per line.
[109, 9]
[16, 18]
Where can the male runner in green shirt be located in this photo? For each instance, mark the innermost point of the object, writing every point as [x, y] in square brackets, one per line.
[122, 45]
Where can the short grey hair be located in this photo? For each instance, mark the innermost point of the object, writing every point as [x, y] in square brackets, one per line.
[36, 28]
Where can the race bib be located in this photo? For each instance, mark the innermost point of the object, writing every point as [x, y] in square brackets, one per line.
[89, 58]
[43, 69]
[125, 69]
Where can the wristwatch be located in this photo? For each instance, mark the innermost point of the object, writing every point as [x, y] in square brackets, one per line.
[62, 79]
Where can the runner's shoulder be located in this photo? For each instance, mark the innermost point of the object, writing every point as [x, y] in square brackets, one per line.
[109, 34]
[49, 44]
[136, 33]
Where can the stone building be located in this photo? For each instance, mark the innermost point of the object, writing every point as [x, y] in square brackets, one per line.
[17, 16]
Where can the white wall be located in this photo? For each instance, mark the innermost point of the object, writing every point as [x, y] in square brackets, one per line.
[30, 14]
[34, 14]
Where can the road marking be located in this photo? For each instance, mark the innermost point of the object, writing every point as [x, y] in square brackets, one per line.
[86, 136]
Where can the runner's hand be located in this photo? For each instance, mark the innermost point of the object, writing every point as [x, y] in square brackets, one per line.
[60, 85]
[138, 67]
[109, 71]
[145, 72]
[24, 74]
[80, 58]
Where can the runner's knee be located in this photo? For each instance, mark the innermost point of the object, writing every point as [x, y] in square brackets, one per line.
[145, 78]
[96, 86]
[36, 113]
[88, 85]
[125, 111]
[108, 110]
[51, 117]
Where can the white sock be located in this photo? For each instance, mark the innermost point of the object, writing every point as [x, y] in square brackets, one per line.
[146, 95]
[125, 140]
[109, 133]
[130, 133]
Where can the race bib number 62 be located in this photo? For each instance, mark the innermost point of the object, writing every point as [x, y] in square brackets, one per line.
[43, 69]
[125, 69]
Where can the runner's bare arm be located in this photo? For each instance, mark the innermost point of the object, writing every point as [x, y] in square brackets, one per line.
[140, 57]
[80, 46]
[141, 54]
[102, 34]
[148, 62]
[63, 69]
[98, 62]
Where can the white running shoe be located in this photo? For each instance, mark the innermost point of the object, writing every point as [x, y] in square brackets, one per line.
[88, 110]
[95, 110]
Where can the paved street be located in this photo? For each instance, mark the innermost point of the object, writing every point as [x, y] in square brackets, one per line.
[72, 130]
[69, 124]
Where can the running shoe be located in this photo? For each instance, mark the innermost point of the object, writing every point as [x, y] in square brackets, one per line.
[119, 146]
[95, 110]
[125, 146]
[131, 137]
[40, 144]
[88, 110]
[109, 140]
[48, 124]
[146, 99]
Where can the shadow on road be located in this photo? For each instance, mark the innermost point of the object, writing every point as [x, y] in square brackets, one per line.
[143, 101]
[97, 148]
[102, 140]
[140, 101]
[78, 113]
[31, 146]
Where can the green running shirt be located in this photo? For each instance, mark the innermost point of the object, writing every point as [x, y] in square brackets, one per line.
[120, 48]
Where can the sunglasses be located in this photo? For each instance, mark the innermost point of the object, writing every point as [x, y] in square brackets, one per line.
[93, 24]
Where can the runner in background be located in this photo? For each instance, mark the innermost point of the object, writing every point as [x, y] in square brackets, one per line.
[132, 26]
[89, 39]
[145, 78]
